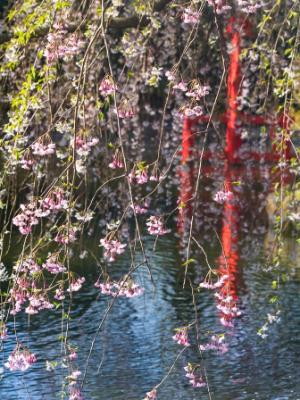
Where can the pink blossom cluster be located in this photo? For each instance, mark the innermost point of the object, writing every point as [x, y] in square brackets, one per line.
[54, 202]
[40, 149]
[61, 44]
[198, 91]
[30, 213]
[27, 265]
[156, 226]
[248, 6]
[152, 395]
[228, 308]
[138, 176]
[112, 248]
[216, 343]
[195, 380]
[37, 302]
[20, 360]
[209, 285]
[72, 354]
[73, 377]
[191, 16]
[170, 76]
[27, 163]
[53, 266]
[25, 290]
[126, 288]
[59, 294]
[18, 294]
[140, 209]
[181, 337]
[124, 111]
[84, 146]
[66, 238]
[181, 86]
[26, 219]
[76, 284]
[75, 394]
[194, 112]
[107, 87]
[116, 162]
[220, 6]
[223, 195]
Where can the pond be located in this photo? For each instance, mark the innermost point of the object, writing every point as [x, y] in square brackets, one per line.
[133, 349]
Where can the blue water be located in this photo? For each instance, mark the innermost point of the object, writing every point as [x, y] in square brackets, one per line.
[134, 349]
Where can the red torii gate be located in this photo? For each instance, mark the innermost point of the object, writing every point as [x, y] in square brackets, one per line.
[233, 116]
[228, 261]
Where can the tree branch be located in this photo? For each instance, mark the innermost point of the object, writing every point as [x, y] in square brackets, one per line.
[119, 23]
[135, 20]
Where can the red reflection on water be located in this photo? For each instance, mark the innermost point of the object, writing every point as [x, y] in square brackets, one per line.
[229, 259]
[233, 138]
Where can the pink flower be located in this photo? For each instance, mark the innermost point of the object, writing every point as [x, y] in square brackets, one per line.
[181, 337]
[107, 87]
[181, 86]
[195, 380]
[72, 355]
[151, 395]
[140, 209]
[66, 238]
[219, 5]
[155, 226]
[112, 248]
[170, 76]
[20, 359]
[42, 150]
[53, 266]
[54, 202]
[125, 110]
[61, 44]
[198, 92]
[59, 294]
[126, 288]
[194, 112]
[139, 176]
[116, 162]
[27, 163]
[210, 285]
[84, 145]
[216, 343]
[75, 394]
[249, 6]
[26, 219]
[191, 16]
[76, 284]
[221, 196]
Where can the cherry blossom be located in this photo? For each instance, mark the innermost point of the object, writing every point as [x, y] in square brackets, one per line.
[223, 195]
[112, 247]
[76, 284]
[20, 359]
[53, 266]
[191, 16]
[152, 395]
[210, 285]
[195, 380]
[156, 226]
[107, 87]
[42, 150]
[181, 337]
[126, 288]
